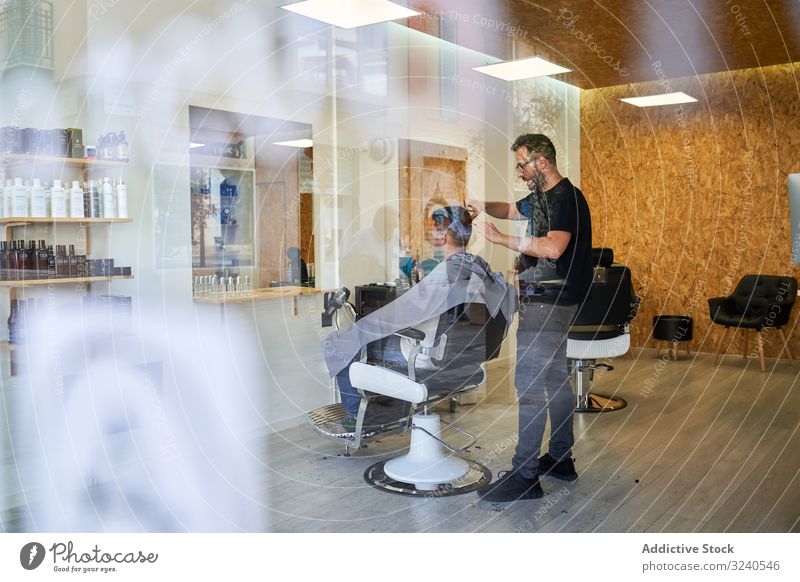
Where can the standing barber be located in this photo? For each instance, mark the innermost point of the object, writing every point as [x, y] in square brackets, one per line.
[555, 276]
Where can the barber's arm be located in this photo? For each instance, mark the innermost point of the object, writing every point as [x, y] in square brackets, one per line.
[495, 209]
[551, 246]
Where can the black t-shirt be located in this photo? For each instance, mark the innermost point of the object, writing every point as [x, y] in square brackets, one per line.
[563, 207]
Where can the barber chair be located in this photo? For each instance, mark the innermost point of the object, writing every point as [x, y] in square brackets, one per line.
[446, 357]
[601, 330]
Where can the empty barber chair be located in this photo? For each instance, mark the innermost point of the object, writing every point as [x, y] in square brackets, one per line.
[601, 330]
[446, 357]
[759, 302]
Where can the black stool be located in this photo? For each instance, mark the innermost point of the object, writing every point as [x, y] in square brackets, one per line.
[672, 329]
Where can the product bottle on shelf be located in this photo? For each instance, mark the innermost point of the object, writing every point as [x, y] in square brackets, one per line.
[122, 147]
[41, 260]
[51, 262]
[31, 264]
[5, 204]
[73, 262]
[38, 200]
[94, 200]
[58, 200]
[76, 201]
[3, 267]
[110, 151]
[108, 199]
[22, 260]
[62, 262]
[122, 200]
[20, 199]
[48, 200]
[11, 262]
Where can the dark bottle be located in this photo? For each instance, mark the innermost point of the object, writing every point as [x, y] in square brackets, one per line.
[12, 322]
[62, 262]
[31, 264]
[51, 262]
[11, 260]
[41, 260]
[73, 262]
[94, 200]
[3, 250]
[22, 259]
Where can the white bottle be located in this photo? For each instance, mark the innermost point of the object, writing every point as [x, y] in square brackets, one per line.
[58, 200]
[8, 194]
[48, 201]
[122, 200]
[108, 199]
[38, 200]
[19, 204]
[76, 201]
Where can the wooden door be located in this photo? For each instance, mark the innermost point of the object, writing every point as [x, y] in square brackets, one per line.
[431, 175]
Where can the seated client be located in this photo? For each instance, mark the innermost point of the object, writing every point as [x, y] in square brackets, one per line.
[460, 278]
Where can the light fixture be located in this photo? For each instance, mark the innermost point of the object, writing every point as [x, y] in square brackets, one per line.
[351, 13]
[296, 143]
[521, 69]
[663, 99]
[193, 145]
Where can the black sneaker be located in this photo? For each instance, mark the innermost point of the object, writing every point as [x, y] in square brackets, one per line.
[511, 486]
[564, 469]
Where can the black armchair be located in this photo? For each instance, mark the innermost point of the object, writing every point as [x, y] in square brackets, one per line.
[759, 302]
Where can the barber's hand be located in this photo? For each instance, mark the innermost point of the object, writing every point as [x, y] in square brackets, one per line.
[475, 207]
[489, 231]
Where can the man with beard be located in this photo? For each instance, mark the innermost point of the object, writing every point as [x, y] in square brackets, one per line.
[555, 267]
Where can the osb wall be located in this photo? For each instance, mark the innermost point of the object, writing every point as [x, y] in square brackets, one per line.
[692, 197]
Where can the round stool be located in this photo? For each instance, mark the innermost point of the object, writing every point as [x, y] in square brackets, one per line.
[672, 329]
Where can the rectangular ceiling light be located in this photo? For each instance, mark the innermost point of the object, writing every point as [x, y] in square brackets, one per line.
[351, 13]
[522, 69]
[663, 99]
[195, 145]
[296, 143]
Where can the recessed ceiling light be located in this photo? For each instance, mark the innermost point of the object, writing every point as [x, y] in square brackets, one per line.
[351, 13]
[296, 143]
[194, 145]
[522, 69]
[663, 99]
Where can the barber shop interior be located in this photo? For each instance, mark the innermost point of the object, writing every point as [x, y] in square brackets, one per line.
[419, 266]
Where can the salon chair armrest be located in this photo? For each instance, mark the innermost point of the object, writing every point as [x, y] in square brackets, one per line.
[724, 305]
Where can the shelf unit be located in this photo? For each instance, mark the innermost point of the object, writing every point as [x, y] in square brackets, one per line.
[55, 167]
[61, 281]
[26, 160]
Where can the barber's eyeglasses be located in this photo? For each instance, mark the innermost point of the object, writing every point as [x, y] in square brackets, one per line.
[521, 166]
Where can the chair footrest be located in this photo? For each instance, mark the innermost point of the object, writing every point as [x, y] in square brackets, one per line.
[331, 413]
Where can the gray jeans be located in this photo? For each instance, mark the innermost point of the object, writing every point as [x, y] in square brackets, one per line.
[542, 380]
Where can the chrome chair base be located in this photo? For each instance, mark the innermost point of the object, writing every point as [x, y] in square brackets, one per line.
[477, 476]
[592, 402]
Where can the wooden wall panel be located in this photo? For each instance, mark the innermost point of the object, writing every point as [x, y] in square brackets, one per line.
[694, 196]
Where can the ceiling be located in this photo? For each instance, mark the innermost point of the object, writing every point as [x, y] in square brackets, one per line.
[614, 42]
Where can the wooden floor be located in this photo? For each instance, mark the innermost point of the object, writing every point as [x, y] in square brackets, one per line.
[698, 449]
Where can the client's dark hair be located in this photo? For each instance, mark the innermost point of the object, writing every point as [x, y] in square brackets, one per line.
[460, 229]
